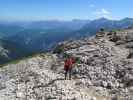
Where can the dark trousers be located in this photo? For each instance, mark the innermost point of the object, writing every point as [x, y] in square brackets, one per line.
[69, 71]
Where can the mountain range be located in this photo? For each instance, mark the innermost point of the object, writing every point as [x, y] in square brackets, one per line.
[24, 38]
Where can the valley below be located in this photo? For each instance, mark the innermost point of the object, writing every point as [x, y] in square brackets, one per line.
[21, 39]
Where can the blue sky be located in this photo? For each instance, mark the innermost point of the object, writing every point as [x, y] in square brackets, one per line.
[64, 9]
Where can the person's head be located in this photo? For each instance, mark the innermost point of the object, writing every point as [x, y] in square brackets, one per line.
[71, 56]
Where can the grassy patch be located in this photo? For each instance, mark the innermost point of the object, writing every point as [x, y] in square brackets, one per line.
[15, 61]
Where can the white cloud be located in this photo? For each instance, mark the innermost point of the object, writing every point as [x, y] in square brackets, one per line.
[92, 5]
[102, 13]
[107, 16]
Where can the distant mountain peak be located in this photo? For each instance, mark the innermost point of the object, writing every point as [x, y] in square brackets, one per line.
[102, 19]
[127, 18]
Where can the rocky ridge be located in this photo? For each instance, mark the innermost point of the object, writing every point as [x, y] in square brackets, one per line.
[104, 72]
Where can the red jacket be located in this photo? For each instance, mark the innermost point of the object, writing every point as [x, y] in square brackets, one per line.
[68, 63]
[73, 60]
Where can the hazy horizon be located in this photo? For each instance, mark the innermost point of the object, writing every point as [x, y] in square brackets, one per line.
[60, 20]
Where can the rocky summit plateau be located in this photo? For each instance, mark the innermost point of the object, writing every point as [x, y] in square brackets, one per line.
[104, 71]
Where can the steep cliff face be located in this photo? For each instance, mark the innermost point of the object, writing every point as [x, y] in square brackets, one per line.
[104, 72]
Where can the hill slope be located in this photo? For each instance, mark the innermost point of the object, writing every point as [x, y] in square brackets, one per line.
[104, 72]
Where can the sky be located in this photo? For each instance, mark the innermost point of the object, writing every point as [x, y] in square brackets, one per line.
[64, 9]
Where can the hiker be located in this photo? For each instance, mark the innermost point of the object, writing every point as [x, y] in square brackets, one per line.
[68, 64]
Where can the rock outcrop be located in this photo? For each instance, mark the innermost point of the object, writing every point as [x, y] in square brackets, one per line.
[104, 72]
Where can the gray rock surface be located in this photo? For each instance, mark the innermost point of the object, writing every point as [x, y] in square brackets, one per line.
[104, 73]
